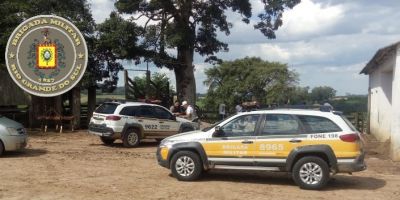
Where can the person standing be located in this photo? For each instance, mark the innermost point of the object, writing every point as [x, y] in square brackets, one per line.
[239, 108]
[190, 113]
[176, 108]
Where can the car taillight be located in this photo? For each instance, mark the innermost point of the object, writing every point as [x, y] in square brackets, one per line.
[352, 137]
[113, 118]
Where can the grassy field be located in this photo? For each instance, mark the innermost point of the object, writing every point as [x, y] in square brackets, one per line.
[100, 98]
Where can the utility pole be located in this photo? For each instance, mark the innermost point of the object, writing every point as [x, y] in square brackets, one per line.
[147, 82]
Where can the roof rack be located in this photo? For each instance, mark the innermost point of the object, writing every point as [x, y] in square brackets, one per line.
[321, 108]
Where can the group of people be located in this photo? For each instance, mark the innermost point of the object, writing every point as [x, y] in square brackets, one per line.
[185, 110]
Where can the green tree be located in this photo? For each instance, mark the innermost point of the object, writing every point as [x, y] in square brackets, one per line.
[248, 79]
[175, 29]
[351, 103]
[322, 93]
[298, 95]
[159, 88]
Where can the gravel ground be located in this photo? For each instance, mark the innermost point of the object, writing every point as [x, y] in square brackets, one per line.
[78, 166]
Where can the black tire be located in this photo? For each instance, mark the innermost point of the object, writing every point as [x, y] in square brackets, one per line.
[131, 138]
[192, 159]
[311, 167]
[1, 148]
[107, 141]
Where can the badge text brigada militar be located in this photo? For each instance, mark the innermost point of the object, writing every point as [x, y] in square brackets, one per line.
[46, 55]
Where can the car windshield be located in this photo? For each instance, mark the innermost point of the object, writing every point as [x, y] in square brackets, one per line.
[106, 108]
[211, 126]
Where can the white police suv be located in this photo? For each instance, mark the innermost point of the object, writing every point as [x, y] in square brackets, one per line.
[311, 145]
[133, 121]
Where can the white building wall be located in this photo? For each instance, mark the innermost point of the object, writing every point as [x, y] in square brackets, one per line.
[395, 129]
[380, 82]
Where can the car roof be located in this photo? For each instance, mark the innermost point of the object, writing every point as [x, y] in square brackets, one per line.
[131, 103]
[292, 111]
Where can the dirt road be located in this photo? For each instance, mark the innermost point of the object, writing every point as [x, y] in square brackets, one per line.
[77, 166]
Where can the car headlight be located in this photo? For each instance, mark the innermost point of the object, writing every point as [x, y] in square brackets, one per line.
[167, 143]
[13, 131]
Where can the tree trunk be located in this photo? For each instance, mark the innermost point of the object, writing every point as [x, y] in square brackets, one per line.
[91, 102]
[184, 70]
[184, 75]
[76, 106]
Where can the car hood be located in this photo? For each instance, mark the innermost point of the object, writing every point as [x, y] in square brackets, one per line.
[192, 135]
[9, 123]
[180, 119]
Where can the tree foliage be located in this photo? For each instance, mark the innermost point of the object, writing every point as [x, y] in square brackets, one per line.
[322, 94]
[248, 79]
[175, 29]
[159, 86]
[298, 95]
[351, 103]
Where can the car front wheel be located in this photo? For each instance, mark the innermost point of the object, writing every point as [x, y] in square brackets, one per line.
[186, 166]
[311, 173]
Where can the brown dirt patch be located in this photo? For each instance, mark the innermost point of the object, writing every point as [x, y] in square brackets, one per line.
[77, 166]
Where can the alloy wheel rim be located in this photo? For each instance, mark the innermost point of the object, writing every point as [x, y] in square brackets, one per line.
[132, 138]
[184, 166]
[311, 173]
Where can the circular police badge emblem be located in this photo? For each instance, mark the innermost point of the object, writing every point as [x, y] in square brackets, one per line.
[46, 55]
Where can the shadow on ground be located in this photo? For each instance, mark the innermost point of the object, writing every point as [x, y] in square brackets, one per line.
[25, 153]
[118, 144]
[343, 182]
[337, 182]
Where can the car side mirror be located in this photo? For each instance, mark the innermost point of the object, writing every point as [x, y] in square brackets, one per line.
[218, 132]
[173, 117]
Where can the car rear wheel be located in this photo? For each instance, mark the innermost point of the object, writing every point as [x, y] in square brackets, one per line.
[311, 173]
[107, 141]
[186, 166]
[131, 138]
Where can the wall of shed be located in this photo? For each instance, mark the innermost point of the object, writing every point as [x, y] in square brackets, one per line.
[380, 83]
[11, 94]
[395, 128]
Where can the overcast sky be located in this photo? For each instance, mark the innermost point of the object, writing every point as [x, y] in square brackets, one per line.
[327, 42]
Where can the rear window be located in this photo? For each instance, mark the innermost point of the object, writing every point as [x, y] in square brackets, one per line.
[315, 124]
[348, 123]
[129, 111]
[107, 108]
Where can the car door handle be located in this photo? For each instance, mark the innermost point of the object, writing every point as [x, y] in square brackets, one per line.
[139, 120]
[161, 122]
[247, 142]
[295, 141]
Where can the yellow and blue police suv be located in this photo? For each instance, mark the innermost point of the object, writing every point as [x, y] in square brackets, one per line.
[312, 145]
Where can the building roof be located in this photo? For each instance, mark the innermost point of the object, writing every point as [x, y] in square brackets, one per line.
[380, 56]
